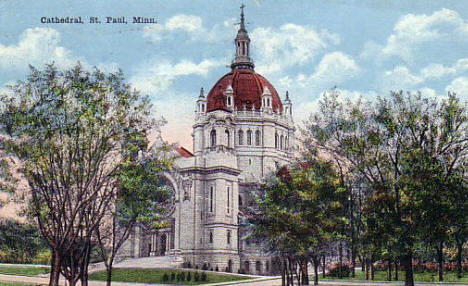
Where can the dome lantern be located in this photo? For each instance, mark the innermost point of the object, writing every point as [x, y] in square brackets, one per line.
[242, 41]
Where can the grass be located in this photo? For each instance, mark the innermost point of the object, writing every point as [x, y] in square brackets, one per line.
[24, 270]
[156, 276]
[418, 277]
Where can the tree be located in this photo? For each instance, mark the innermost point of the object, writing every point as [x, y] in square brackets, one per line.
[382, 141]
[68, 129]
[299, 212]
[141, 199]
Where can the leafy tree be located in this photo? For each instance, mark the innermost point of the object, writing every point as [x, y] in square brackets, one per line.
[141, 199]
[298, 213]
[68, 129]
[391, 144]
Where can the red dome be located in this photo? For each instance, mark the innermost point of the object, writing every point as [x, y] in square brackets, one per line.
[248, 88]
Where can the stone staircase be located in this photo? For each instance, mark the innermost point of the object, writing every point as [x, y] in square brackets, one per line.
[146, 262]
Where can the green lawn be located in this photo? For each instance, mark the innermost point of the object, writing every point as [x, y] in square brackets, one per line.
[24, 270]
[419, 276]
[156, 276]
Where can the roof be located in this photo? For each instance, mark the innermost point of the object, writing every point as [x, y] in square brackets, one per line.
[248, 88]
[183, 152]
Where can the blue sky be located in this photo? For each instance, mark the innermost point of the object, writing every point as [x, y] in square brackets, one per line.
[365, 48]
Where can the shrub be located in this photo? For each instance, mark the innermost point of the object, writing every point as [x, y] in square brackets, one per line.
[182, 276]
[430, 266]
[379, 265]
[203, 276]
[339, 268]
[196, 277]
[172, 276]
[189, 276]
[42, 257]
[165, 277]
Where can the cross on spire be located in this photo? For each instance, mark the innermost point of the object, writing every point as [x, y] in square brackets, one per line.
[242, 22]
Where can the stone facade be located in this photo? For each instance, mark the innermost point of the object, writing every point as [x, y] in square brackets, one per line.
[242, 133]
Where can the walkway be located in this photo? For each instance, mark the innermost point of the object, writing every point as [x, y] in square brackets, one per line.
[266, 281]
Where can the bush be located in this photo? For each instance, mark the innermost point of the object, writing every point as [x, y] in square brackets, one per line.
[203, 276]
[182, 276]
[172, 276]
[196, 277]
[339, 268]
[165, 277]
[42, 257]
[189, 276]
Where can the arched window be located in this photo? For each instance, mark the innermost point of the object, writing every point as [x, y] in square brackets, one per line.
[286, 143]
[203, 108]
[228, 138]
[228, 194]
[268, 102]
[249, 137]
[281, 142]
[211, 237]
[241, 137]
[240, 201]
[258, 266]
[211, 199]
[257, 137]
[276, 140]
[213, 138]
[247, 267]
[229, 236]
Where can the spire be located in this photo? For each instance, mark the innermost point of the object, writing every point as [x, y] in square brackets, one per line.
[242, 42]
[202, 93]
[242, 22]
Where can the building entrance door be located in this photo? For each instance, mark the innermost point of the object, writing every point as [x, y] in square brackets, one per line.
[163, 245]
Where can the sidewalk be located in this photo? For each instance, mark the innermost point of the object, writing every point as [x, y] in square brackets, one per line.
[265, 281]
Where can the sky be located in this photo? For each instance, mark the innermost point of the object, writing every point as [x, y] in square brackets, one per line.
[364, 48]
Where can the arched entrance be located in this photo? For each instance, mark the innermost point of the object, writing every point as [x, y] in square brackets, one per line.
[162, 244]
[229, 266]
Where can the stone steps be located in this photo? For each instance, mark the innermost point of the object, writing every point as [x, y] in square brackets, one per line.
[146, 262]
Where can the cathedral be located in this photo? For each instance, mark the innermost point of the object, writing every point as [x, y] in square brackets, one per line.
[242, 132]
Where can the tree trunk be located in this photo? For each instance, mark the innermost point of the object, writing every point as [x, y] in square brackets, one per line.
[283, 274]
[109, 274]
[305, 272]
[407, 260]
[324, 266]
[55, 269]
[389, 270]
[396, 270]
[340, 257]
[366, 261]
[459, 259]
[353, 262]
[372, 270]
[440, 260]
[316, 265]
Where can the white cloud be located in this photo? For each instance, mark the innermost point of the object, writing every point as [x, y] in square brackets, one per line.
[459, 86]
[411, 30]
[290, 45]
[333, 69]
[400, 78]
[436, 71]
[158, 76]
[37, 46]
